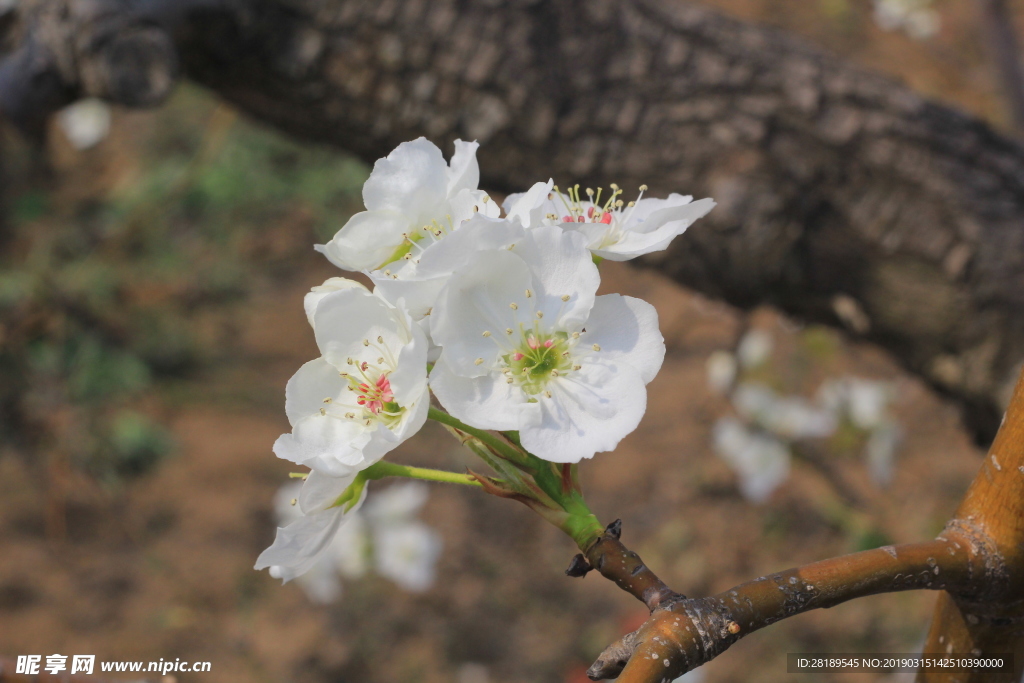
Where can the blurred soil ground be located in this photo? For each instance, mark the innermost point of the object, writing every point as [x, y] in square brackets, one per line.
[160, 566]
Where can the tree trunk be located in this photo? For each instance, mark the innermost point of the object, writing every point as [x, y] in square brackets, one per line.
[843, 198]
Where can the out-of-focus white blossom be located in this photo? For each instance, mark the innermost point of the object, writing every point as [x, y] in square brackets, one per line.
[759, 460]
[865, 402]
[789, 417]
[383, 536]
[721, 368]
[917, 18]
[880, 452]
[405, 550]
[754, 349]
[85, 123]
[345, 554]
[615, 230]
[407, 554]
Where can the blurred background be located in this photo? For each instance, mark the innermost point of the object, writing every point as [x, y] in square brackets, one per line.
[152, 267]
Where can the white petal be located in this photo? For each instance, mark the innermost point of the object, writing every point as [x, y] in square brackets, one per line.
[466, 204]
[457, 250]
[627, 331]
[479, 299]
[386, 440]
[344, 319]
[283, 508]
[331, 444]
[656, 231]
[297, 546]
[417, 289]
[309, 386]
[590, 411]
[415, 295]
[320, 491]
[527, 207]
[316, 294]
[368, 240]
[409, 378]
[486, 402]
[464, 173]
[411, 180]
[562, 266]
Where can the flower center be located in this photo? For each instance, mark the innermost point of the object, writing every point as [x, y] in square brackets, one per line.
[613, 212]
[374, 396]
[368, 381]
[538, 359]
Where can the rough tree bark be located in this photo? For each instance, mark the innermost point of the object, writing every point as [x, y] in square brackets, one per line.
[843, 197]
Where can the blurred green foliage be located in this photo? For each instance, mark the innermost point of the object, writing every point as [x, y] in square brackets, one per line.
[122, 267]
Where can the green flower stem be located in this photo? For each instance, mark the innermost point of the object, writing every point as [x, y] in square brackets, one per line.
[574, 517]
[389, 469]
[500, 446]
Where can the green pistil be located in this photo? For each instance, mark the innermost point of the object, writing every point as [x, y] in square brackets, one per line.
[404, 248]
[538, 366]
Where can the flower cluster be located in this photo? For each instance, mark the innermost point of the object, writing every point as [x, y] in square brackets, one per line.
[918, 18]
[758, 443]
[497, 315]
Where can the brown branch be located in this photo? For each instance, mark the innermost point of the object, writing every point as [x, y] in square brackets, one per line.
[688, 633]
[978, 560]
[992, 517]
[617, 563]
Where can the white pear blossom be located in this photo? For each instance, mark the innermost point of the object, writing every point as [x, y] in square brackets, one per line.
[317, 293]
[916, 17]
[300, 545]
[420, 283]
[345, 554]
[788, 417]
[405, 550]
[407, 554]
[614, 230]
[880, 452]
[722, 369]
[413, 199]
[864, 401]
[85, 123]
[384, 536]
[759, 460]
[366, 394]
[528, 346]
[754, 349]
